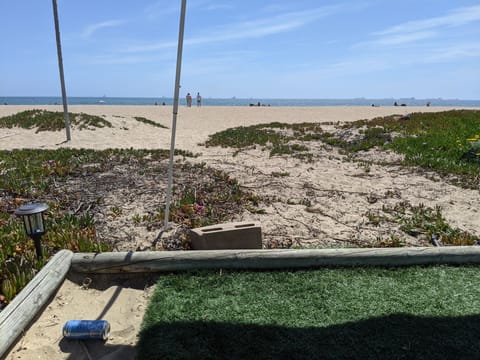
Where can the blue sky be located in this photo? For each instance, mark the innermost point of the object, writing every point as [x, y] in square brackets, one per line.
[258, 49]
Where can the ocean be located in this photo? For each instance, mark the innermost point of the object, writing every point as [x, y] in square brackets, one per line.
[44, 100]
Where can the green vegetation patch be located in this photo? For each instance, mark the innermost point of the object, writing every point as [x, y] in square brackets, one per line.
[274, 136]
[358, 313]
[149, 122]
[203, 197]
[444, 142]
[30, 173]
[74, 182]
[420, 221]
[45, 120]
[447, 143]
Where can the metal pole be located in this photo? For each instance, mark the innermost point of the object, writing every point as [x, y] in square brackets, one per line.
[38, 245]
[60, 68]
[175, 111]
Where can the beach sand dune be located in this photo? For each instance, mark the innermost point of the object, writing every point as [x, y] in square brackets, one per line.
[193, 124]
[320, 203]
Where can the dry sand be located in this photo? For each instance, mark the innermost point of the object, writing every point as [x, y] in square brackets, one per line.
[323, 203]
[120, 301]
[193, 124]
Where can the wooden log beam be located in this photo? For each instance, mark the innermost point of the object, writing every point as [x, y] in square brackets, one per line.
[132, 262]
[16, 317]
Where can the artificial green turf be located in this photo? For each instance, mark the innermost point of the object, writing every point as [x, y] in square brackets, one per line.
[361, 313]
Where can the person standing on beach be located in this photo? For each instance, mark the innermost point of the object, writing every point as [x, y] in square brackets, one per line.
[199, 99]
[189, 100]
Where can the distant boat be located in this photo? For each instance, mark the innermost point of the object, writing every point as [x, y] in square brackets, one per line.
[101, 101]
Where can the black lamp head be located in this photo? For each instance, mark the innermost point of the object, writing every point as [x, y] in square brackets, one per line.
[32, 215]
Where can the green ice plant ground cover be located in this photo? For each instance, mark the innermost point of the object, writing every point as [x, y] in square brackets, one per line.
[447, 143]
[332, 313]
[44, 120]
[33, 175]
[443, 143]
[41, 175]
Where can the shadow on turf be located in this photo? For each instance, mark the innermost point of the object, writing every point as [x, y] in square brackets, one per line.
[397, 336]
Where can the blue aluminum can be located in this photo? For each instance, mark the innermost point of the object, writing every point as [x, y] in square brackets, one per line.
[86, 329]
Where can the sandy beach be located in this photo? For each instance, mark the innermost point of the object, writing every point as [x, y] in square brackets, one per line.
[323, 203]
[193, 124]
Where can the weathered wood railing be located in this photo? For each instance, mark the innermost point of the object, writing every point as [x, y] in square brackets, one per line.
[131, 262]
[17, 316]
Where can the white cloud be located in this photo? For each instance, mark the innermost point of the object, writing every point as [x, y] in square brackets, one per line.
[113, 59]
[216, 6]
[116, 60]
[161, 8]
[413, 31]
[398, 39]
[404, 46]
[269, 26]
[454, 52]
[91, 29]
[258, 28]
[150, 47]
[457, 17]
[415, 59]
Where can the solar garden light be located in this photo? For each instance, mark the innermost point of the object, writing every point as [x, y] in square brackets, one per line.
[33, 221]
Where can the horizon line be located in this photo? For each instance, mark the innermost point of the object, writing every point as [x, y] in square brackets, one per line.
[247, 98]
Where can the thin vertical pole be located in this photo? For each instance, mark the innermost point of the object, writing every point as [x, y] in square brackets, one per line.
[175, 111]
[60, 68]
